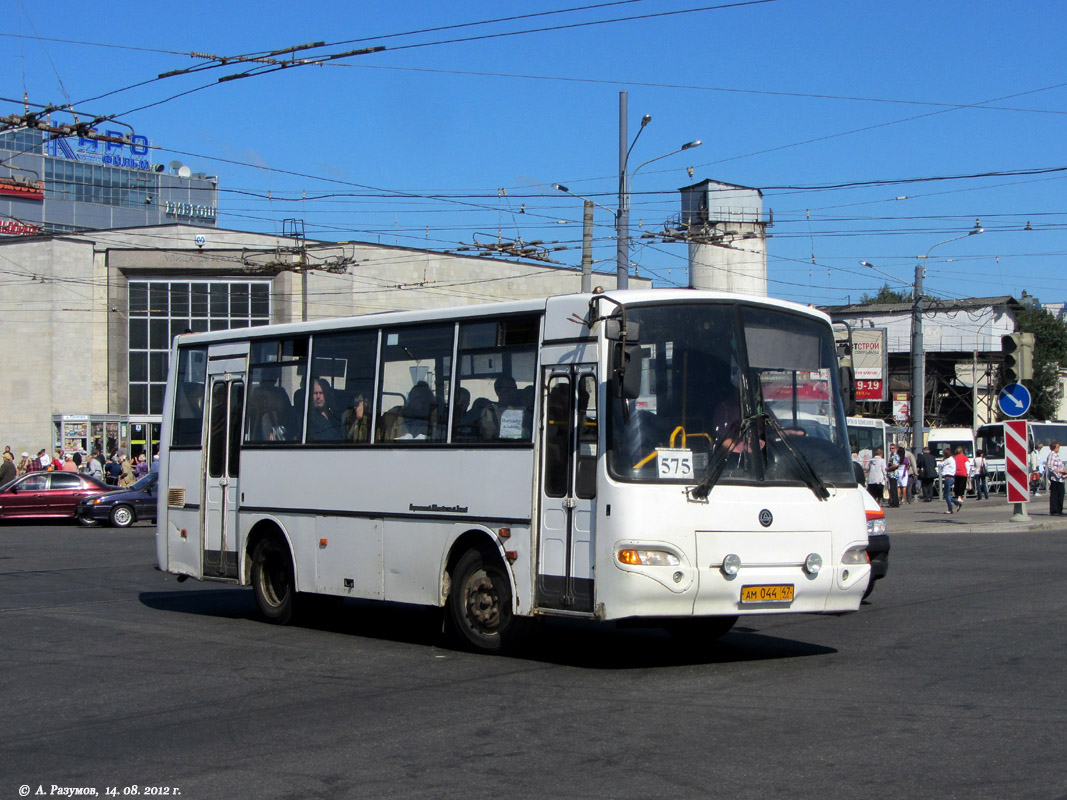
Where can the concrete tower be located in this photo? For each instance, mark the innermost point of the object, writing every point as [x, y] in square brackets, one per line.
[727, 237]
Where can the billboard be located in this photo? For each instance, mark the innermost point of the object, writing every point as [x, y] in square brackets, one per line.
[870, 363]
[135, 155]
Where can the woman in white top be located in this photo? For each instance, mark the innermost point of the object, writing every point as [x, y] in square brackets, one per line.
[876, 475]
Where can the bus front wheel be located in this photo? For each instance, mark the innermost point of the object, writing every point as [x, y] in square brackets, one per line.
[479, 603]
[272, 581]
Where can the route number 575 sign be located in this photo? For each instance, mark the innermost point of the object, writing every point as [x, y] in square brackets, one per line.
[675, 463]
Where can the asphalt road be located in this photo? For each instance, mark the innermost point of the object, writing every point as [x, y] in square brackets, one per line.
[948, 683]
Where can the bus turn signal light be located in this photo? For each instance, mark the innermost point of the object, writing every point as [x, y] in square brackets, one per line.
[648, 558]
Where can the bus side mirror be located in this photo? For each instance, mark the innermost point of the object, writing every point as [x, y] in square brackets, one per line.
[627, 366]
[613, 330]
[847, 380]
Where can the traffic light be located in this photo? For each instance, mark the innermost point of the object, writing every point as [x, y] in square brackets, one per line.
[1018, 349]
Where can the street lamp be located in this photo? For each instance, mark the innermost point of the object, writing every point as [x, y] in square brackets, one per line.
[622, 218]
[587, 234]
[918, 356]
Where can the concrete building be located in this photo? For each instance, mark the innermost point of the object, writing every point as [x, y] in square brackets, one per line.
[88, 318]
[62, 185]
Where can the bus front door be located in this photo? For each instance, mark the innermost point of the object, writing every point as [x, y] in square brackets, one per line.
[222, 467]
[566, 544]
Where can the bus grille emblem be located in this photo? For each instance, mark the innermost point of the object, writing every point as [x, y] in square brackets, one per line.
[766, 518]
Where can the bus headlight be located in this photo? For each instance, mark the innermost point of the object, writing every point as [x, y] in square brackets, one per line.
[731, 565]
[812, 564]
[856, 555]
[648, 558]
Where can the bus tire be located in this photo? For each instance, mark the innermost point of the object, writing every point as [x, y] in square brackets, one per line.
[272, 581]
[480, 604]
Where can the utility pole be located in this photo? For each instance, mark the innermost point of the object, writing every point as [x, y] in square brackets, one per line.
[622, 219]
[587, 246]
[918, 362]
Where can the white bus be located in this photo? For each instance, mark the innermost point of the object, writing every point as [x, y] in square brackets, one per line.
[990, 438]
[865, 435]
[607, 456]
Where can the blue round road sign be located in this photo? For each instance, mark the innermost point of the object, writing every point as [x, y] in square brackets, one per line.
[1014, 400]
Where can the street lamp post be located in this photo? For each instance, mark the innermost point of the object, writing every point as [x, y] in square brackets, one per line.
[622, 219]
[587, 234]
[918, 354]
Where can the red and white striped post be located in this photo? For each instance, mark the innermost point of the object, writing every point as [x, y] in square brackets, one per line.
[1018, 468]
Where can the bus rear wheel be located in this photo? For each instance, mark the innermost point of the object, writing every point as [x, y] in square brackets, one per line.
[273, 582]
[479, 603]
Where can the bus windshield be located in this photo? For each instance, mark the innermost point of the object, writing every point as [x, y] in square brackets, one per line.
[743, 393]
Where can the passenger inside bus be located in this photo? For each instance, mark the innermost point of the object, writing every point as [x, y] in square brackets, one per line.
[504, 419]
[356, 421]
[270, 412]
[324, 425]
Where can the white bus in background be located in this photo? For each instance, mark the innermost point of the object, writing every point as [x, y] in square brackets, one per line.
[990, 438]
[940, 438]
[865, 435]
[628, 455]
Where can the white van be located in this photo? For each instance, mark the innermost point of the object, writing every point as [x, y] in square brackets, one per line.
[940, 438]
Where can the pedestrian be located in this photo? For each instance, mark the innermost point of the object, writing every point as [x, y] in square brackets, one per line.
[112, 471]
[25, 464]
[876, 472]
[981, 476]
[68, 464]
[43, 460]
[963, 472]
[1056, 472]
[947, 468]
[96, 466]
[7, 468]
[140, 469]
[927, 471]
[1034, 464]
[892, 463]
[904, 471]
[127, 479]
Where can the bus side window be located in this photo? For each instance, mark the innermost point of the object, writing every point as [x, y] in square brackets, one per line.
[278, 370]
[498, 367]
[189, 397]
[415, 376]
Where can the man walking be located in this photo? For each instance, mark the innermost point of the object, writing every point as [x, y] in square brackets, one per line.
[927, 470]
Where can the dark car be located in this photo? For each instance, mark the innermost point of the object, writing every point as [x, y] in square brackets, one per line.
[47, 495]
[123, 508]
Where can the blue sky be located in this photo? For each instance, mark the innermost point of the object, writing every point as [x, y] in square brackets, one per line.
[434, 142]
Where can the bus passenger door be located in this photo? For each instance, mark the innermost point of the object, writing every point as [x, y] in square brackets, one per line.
[222, 467]
[568, 489]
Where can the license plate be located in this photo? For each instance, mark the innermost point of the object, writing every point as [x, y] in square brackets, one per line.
[778, 593]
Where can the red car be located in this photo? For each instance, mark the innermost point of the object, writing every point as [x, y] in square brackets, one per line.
[47, 494]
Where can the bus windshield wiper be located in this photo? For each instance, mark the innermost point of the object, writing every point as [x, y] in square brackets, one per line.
[811, 477]
[718, 459]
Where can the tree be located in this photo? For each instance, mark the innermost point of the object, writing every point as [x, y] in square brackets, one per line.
[1050, 352]
[885, 295]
